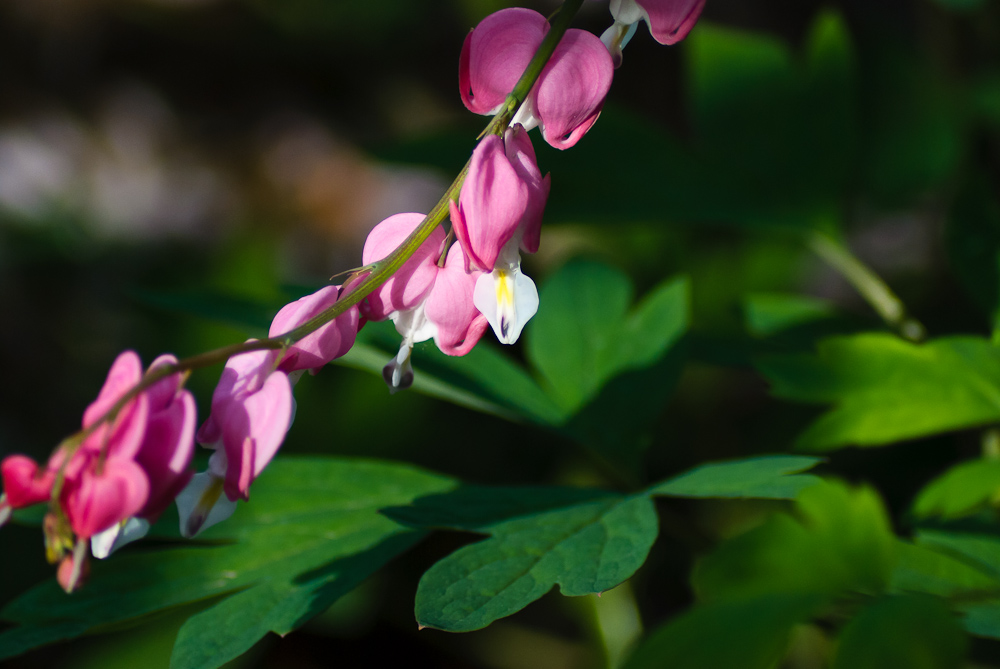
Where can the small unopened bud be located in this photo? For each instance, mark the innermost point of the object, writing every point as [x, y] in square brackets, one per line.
[74, 569]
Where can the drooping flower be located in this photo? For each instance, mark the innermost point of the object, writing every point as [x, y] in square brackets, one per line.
[567, 97]
[165, 457]
[127, 467]
[443, 311]
[326, 344]
[251, 413]
[499, 214]
[669, 21]
[409, 285]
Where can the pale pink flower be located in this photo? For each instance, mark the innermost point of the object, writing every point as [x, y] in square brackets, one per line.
[409, 285]
[669, 21]
[318, 348]
[252, 410]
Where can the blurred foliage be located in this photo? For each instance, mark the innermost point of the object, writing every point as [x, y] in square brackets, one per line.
[172, 173]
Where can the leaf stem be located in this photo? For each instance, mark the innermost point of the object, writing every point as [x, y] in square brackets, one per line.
[870, 285]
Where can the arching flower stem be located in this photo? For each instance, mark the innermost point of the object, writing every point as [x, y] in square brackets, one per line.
[380, 271]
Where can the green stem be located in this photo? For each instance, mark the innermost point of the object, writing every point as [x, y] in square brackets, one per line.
[381, 270]
[869, 284]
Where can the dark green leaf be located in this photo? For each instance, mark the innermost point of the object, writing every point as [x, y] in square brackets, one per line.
[585, 547]
[770, 477]
[886, 389]
[961, 490]
[312, 532]
[914, 631]
[746, 633]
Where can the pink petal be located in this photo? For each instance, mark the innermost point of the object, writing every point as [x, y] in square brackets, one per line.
[407, 287]
[571, 89]
[491, 205]
[495, 55]
[166, 453]
[263, 418]
[124, 436]
[163, 392]
[325, 344]
[97, 501]
[450, 307]
[23, 484]
[521, 154]
[671, 20]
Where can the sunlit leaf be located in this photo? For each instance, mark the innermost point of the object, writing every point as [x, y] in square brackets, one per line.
[770, 476]
[924, 569]
[840, 539]
[885, 389]
[961, 490]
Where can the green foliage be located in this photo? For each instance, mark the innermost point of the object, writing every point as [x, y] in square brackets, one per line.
[770, 313]
[840, 540]
[902, 630]
[746, 633]
[769, 477]
[585, 548]
[311, 535]
[605, 370]
[961, 490]
[584, 541]
[885, 389]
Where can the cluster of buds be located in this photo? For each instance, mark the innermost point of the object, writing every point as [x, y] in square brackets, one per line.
[107, 483]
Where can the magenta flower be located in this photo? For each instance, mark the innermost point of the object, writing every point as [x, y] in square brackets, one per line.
[252, 410]
[669, 21]
[568, 96]
[123, 474]
[114, 502]
[328, 343]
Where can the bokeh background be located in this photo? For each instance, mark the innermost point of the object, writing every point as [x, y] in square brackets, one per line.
[173, 171]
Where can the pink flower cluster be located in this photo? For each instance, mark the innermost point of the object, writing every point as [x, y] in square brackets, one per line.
[133, 456]
[126, 469]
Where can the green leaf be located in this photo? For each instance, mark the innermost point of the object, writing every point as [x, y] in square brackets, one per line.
[840, 539]
[924, 569]
[745, 633]
[962, 490]
[585, 335]
[767, 477]
[585, 546]
[917, 631]
[885, 389]
[483, 380]
[770, 313]
[980, 602]
[312, 533]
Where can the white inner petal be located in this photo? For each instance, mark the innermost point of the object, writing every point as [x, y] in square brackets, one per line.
[201, 504]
